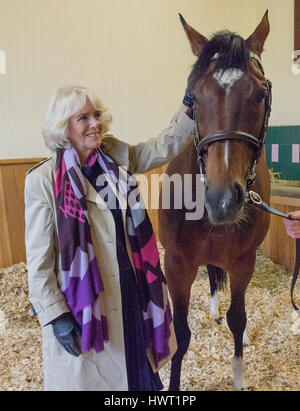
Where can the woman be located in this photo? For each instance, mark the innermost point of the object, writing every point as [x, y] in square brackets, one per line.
[293, 226]
[94, 275]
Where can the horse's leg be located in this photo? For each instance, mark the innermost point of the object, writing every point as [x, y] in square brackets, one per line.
[180, 277]
[217, 281]
[237, 319]
[246, 339]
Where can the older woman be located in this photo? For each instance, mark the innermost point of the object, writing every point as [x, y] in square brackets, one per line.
[94, 276]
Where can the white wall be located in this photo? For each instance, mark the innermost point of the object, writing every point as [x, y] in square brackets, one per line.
[133, 53]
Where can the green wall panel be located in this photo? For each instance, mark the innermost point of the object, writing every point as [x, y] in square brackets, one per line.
[285, 137]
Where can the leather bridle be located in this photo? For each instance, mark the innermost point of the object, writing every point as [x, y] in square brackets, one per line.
[224, 135]
[258, 143]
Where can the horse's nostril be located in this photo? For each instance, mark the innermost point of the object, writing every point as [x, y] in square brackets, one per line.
[240, 194]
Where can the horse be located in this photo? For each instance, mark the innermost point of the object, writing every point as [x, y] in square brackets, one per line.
[231, 111]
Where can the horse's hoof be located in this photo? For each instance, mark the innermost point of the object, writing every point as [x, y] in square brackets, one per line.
[241, 385]
[239, 381]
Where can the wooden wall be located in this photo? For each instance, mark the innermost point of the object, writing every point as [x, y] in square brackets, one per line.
[12, 221]
[277, 244]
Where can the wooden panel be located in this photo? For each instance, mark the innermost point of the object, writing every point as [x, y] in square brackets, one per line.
[20, 171]
[5, 250]
[12, 212]
[14, 161]
[277, 244]
[12, 220]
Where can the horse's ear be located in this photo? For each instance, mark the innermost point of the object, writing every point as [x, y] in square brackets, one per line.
[196, 39]
[257, 39]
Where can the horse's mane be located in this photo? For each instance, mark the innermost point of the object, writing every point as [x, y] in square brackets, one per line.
[233, 53]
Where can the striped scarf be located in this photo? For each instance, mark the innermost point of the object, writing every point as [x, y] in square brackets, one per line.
[82, 285]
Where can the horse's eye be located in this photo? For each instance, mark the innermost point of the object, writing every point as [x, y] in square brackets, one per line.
[261, 95]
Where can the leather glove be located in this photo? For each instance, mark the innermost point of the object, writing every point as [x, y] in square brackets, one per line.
[188, 99]
[65, 329]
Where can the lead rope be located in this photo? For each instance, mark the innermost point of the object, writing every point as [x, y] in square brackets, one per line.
[295, 275]
[256, 200]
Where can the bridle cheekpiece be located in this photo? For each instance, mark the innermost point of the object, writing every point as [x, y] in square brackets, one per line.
[258, 143]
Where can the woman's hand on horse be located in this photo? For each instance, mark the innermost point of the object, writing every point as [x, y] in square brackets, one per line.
[188, 99]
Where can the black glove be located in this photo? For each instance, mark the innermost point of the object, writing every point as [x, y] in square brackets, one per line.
[188, 99]
[65, 329]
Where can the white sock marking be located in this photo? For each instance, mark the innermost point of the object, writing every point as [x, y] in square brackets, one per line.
[246, 339]
[226, 156]
[238, 367]
[214, 306]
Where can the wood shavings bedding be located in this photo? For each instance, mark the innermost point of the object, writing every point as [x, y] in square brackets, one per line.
[20, 335]
[272, 359]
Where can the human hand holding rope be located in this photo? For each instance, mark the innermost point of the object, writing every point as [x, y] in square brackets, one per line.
[292, 225]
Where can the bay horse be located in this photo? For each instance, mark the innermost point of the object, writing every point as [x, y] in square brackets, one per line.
[231, 111]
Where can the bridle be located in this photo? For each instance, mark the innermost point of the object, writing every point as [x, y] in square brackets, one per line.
[258, 142]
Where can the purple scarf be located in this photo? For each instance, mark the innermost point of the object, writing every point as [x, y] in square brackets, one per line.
[82, 284]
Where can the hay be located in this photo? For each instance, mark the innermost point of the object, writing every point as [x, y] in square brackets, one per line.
[272, 359]
[275, 179]
[274, 176]
[20, 335]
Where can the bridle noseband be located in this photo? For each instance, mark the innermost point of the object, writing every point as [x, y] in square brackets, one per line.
[258, 143]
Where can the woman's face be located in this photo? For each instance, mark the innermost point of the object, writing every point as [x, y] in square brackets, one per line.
[85, 131]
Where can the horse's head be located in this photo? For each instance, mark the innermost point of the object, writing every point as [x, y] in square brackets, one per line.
[231, 105]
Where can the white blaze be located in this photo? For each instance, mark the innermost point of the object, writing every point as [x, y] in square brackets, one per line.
[226, 156]
[227, 78]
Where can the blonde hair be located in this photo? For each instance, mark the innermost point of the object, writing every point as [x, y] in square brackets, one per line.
[63, 104]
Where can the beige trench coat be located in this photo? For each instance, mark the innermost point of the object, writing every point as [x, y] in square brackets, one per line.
[90, 371]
